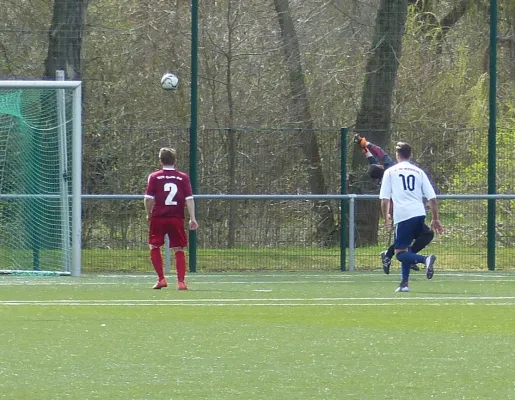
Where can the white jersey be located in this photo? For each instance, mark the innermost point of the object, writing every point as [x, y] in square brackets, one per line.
[406, 185]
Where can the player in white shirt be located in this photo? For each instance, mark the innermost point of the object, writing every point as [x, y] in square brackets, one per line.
[406, 186]
[379, 161]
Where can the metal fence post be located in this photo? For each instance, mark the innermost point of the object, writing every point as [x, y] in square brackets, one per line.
[351, 232]
[343, 190]
[194, 125]
[492, 133]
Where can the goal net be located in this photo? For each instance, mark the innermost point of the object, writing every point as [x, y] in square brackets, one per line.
[38, 136]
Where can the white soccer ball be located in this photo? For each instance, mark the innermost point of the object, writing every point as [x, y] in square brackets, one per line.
[169, 81]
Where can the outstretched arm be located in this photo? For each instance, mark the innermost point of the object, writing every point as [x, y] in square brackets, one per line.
[373, 153]
[362, 141]
[380, 154]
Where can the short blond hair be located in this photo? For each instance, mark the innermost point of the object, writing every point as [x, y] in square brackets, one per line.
[167, 156]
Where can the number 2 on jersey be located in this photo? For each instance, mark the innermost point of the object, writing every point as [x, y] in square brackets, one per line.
[171, 188]
[408, 182]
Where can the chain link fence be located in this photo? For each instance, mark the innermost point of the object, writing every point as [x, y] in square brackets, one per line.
[281, 234]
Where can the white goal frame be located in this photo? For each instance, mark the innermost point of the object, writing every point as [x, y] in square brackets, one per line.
[76, 228]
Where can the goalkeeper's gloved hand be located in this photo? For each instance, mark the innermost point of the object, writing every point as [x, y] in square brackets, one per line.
[362, 141]
[357, 138]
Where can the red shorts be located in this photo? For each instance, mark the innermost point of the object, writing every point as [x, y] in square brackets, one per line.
[172, 226]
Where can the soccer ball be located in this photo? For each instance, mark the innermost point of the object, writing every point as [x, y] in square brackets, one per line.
[169, 81]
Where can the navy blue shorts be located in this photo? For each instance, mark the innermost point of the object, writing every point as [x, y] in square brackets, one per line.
[407, 231]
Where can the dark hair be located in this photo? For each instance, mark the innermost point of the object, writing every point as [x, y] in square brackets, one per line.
[404, 150]
[375, 171]
[167, 156]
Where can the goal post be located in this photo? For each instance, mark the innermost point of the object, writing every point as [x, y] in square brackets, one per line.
[40, 177]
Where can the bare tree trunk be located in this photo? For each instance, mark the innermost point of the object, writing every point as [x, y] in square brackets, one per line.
[231, 133]
[374, 117]
[65, 39]
[233, 205]
[64, 53]
[326, 230]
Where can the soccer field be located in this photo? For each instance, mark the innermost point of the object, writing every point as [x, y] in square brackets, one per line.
[258, 336]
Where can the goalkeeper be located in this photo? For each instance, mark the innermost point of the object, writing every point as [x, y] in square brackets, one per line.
[379, 160]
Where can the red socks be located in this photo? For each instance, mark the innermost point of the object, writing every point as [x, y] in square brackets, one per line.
[157, 262]
[180, 265]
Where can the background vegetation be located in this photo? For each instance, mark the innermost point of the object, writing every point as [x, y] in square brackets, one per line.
[277, 79]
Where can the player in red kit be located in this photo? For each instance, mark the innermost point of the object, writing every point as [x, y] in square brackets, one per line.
[168, 193]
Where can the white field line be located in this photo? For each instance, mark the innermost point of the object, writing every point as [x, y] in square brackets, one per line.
[316, 301]
[353, 304]
[400, 297]
[195, 282]
[207, 279]
[265, 305]
[60, 282]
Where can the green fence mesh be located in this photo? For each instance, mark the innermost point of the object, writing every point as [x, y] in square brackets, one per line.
[282, 234]
[419, 69]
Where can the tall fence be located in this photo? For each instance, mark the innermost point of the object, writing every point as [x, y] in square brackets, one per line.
[275, 233]
[117, 159]
[288, 243]
[410, 69]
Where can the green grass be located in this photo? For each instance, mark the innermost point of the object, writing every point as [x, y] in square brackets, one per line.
[258, 336]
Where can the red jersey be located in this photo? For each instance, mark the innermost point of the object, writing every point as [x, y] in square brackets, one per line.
[170, 189]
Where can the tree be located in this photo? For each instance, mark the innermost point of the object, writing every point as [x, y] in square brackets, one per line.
[64, 53]
[302, 114]
[65, 39]
[231, 139]
[374, 116]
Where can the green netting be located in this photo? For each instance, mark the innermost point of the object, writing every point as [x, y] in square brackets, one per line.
[35, 179]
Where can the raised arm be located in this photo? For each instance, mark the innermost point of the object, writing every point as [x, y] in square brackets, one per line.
[373, 153]
[362, 141]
